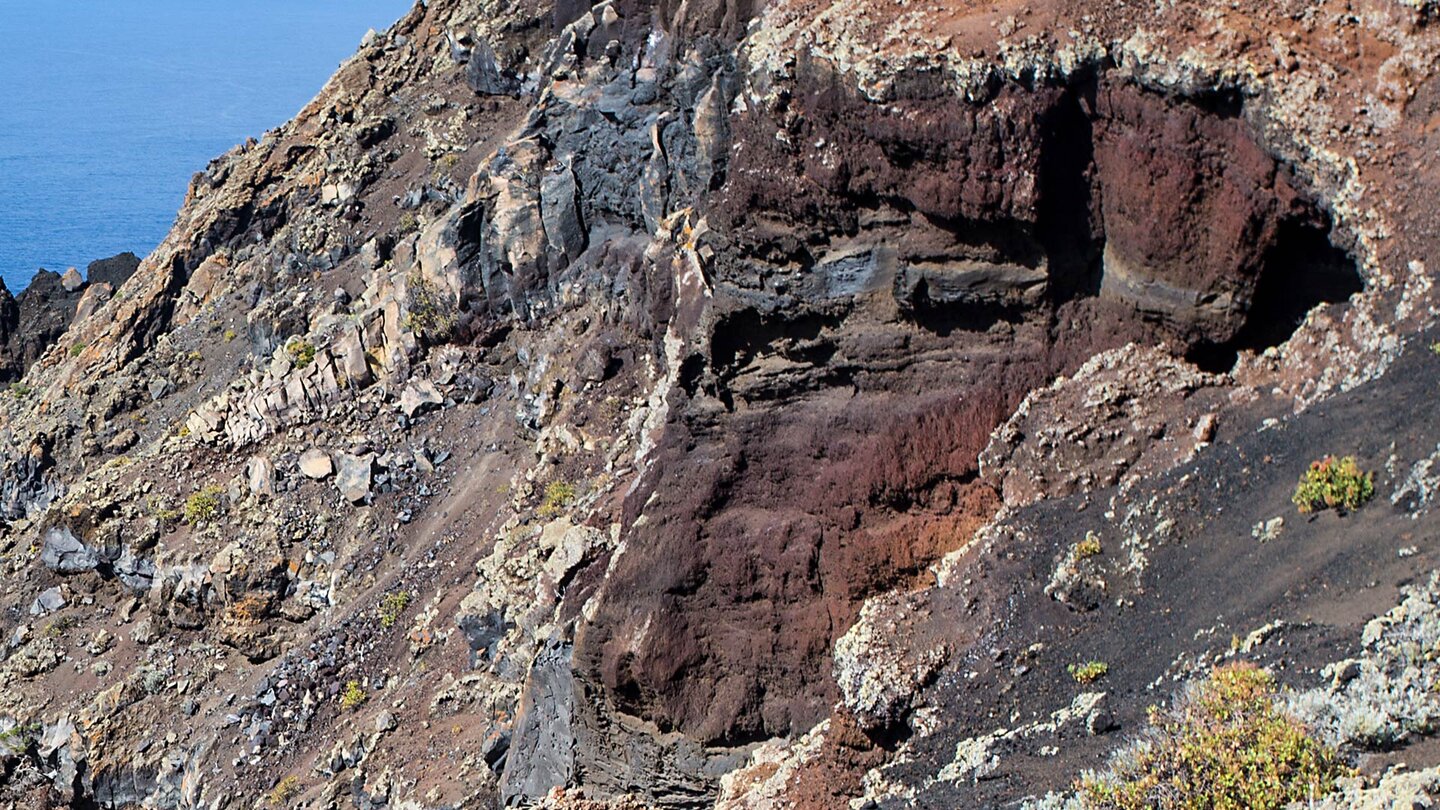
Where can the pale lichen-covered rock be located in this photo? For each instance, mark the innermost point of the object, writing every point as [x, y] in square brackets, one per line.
[260, 476]
[419, 394]
[1133, 408]
[316, 463]
[763, 782]
[877, 667]
[1393, 790]
[71, 280]
[352, 476]
[1078, 580]
[1386, 694]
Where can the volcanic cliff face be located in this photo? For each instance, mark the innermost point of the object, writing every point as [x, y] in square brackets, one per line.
[692, 405]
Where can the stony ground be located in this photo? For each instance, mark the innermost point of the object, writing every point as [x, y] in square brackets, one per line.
[702, 405]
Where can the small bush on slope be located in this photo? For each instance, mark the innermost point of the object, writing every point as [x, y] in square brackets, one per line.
[1088, 672]
[302, 353]
[1333, 483]
[558, 495]
[284, 791]
[353, 696]
[202, 505]
[1224, 745]
[392, 606]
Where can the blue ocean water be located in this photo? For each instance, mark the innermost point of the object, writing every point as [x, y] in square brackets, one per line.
[107, 108]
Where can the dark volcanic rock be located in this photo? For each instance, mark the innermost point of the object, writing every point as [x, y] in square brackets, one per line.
[32, 321]
[64, 553]
[487, 77]
[44, 311]
[9, 315]
[542, 752]
[114, 271]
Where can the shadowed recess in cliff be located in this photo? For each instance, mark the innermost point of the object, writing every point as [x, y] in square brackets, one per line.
[741, 342]
[1205, 231]
[1066, 220]
[1303, 269]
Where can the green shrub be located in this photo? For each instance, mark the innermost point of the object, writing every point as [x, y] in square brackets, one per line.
[284, 790]
[1224, 745]
[428, 314]
[353, 696]
[1333, 483]
[392, 606]
[1089, 547]
[77, 350]
[558, 495]
[1088, 672]
[301, 352]
[61, 626]
[20, 390]
[16, 739]
[202, 505]
[162, 510]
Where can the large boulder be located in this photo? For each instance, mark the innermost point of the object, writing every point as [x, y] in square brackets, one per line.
[315, 463]
[352, 476]
[418, 395]
[487, 77]
[64, 553]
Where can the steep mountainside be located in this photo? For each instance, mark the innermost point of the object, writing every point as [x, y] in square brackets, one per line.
[698, 404]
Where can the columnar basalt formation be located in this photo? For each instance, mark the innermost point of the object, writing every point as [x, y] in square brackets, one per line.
[638, 404]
